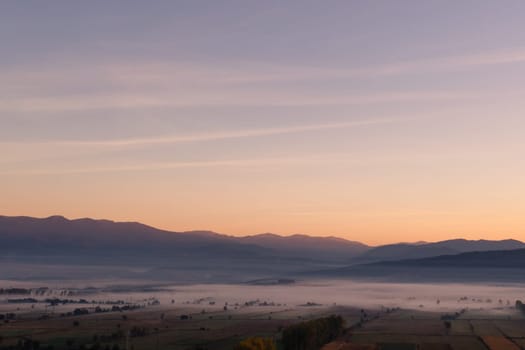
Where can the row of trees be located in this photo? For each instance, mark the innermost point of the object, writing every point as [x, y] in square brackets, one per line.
[312, 335]
[309, 335]
[15, 291]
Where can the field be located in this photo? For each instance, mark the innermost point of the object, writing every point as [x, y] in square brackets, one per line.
[217, 317]
[409, 329]
[164, 328]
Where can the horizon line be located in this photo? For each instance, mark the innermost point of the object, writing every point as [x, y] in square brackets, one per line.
[281, 235]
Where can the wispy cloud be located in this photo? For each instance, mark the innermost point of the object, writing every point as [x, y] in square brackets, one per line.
[264, 162]
[451, 63]
[119, 85]
[212, 136]
[202, 98]
[171, 73]
[343, 159]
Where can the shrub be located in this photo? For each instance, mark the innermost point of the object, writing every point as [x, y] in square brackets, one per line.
[256, 343]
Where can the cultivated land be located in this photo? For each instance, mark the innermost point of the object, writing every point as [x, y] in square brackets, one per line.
[409, 329]
[219, 316]
[164, 327]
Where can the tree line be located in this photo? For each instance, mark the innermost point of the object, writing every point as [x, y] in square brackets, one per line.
[309, 335]
[312, 335]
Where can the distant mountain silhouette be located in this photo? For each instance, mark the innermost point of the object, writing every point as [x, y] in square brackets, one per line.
[302, 245]
[424, 250]
[134, 250]
[58, 234]
[485, 266]
[514, 259]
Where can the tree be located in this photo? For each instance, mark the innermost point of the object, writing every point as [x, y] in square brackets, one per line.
[312, 335]
[520, 306]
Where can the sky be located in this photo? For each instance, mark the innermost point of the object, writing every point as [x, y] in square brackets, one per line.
[375, 121]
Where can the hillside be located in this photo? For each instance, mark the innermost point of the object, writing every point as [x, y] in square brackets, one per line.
[424, 250]
[58, 234]
[487, 266]
[31, 246]
[513, 259]
[331, 248]
[102, 248]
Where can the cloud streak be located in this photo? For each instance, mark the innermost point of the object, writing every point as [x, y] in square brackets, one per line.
[211, 98]
[121, 85]
[214, 136]
[327, 158]
[339, 158]
[168, 73]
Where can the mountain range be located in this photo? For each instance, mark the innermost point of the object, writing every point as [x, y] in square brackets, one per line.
[58, 235]
[135, 250]
[425, 250]
[479, 266]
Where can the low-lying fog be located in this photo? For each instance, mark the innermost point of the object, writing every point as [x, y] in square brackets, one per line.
[428, 297]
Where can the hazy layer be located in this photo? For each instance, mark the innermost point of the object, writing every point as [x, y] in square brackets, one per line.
[429, 297]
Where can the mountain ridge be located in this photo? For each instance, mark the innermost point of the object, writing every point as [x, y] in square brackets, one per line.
[480, 266]
[196, 256]
[391, 252]
[59, 234]
[60, 218]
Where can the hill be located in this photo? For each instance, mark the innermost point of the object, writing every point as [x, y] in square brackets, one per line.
[326, 248]
[102, 248]
[512, 259]
[486, 266]
[425, 250]
[135, 250]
